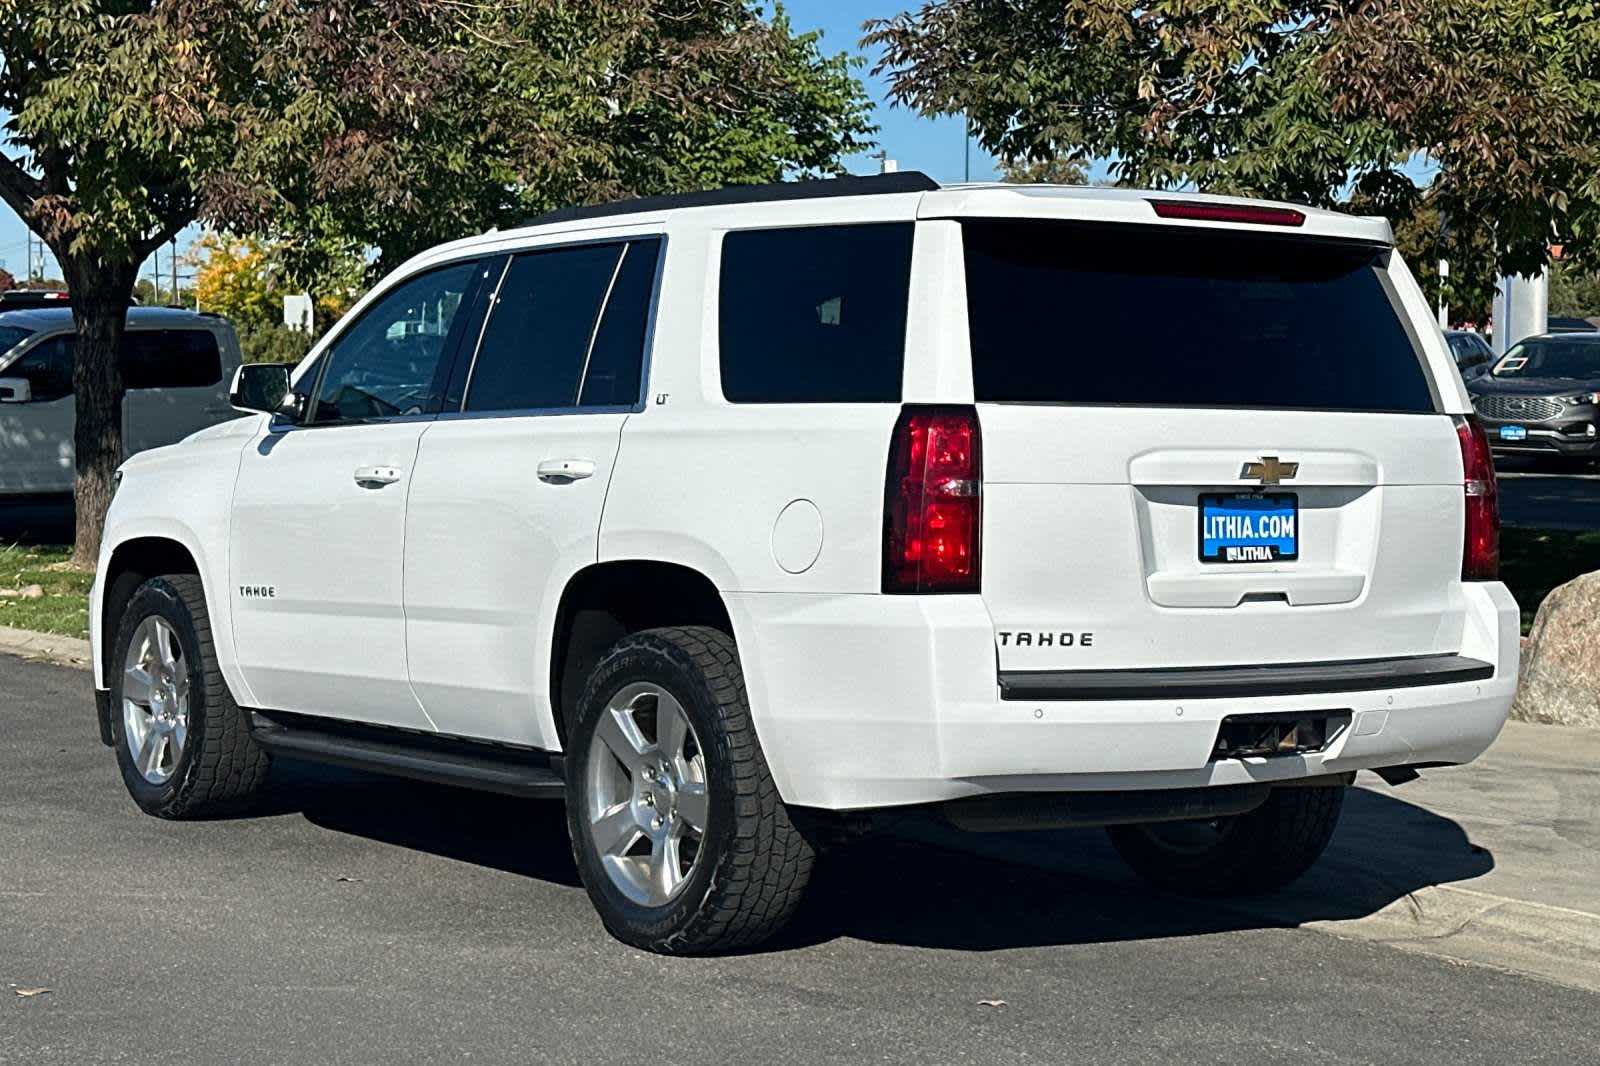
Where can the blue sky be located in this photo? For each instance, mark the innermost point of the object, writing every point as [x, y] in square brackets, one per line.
[936, 146]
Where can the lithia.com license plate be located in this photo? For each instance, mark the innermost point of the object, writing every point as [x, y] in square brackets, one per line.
[1249, 527]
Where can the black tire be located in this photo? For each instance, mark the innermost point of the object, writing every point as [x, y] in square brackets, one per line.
[220, 767]
[753, 863]
[1241, 855]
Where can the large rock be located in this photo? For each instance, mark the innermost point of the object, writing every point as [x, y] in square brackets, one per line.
[1561, 662]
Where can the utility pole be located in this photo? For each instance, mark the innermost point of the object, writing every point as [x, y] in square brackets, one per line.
[174, 297]
[155, 272]
[1444, 308]
[27, 278]
[967, 148]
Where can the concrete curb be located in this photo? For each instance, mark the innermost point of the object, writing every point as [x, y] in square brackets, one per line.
[1557, 944]
[1465, 926]
[45, 647]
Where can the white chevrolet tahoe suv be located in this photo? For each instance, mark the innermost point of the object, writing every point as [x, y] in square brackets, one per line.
[750, 519]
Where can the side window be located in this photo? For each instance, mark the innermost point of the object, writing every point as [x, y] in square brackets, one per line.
[1470, 352]
[542, 328]
[385, 364]
[170, 359]
[1483, 352]
[48, 369]
[616, 359]
[815, 315]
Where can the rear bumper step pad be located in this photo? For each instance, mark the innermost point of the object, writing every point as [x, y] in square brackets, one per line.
[1238, 682]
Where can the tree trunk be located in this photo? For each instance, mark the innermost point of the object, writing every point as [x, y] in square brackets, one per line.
[100, 293]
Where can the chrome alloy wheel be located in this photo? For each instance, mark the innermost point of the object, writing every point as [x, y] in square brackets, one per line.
[645, 796]
[155, 700]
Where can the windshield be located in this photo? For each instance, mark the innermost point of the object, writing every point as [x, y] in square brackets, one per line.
[1547, 358]
[11, 336]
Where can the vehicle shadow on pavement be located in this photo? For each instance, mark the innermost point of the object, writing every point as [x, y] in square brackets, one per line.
[1069, 887]
[37, 520]
[523, 837]
[927, 885]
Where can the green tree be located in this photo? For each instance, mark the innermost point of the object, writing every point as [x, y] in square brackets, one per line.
[234, 279]
[1056, 170]
[1423, 236]
[1574, 291]
[579, 102]
[133, 119]
[1301, 100]
[388, 124]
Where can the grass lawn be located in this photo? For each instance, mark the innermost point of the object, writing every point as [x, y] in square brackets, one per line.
[1534, 561]
[64, 608]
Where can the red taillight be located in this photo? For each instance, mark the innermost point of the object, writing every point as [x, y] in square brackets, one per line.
[1480, 557]
[932, 509]
[1201, 211]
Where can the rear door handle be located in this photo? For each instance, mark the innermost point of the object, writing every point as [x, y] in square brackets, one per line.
[377, 475]
[563, 471]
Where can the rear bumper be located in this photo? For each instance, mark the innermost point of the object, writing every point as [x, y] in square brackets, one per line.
[1243, 682]
[1541, 440]
[875, 701]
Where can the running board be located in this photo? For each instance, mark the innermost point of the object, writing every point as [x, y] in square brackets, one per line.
[525, 772]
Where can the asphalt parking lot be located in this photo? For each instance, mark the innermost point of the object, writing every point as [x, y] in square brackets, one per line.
[1536, 497]
[356, 920]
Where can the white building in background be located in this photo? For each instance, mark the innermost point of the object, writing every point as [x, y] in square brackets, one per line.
[1521, 309]
[297, 312]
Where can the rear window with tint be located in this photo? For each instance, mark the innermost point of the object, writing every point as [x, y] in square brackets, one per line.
[170, 359]
[1147, 316]
[151, 359]
[815, 315]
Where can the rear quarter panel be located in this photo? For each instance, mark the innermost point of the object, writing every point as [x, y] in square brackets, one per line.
[704, 483]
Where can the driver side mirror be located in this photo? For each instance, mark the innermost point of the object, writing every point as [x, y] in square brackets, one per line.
[259, 387]
[15, 390]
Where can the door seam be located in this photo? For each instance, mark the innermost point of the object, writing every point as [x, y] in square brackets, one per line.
[405, 563]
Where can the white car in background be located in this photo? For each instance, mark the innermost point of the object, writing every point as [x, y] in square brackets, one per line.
[176, 366]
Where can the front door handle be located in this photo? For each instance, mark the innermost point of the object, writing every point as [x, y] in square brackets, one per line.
[564, 471]
[377, 475]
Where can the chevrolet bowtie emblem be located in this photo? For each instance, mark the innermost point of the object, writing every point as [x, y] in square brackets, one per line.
[1269, 471]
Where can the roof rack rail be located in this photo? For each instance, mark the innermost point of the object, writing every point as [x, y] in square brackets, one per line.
[874, 185]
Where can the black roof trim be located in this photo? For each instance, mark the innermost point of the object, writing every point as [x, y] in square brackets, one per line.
[874, 185]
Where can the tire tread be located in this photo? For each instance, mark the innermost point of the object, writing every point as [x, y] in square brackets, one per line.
[227, 767]
[762, 875]
[1266, 849]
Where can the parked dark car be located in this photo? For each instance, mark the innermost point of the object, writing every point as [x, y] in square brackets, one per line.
[32, 299]
[1569, 324]
[1543, 397]
[1472, 353]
